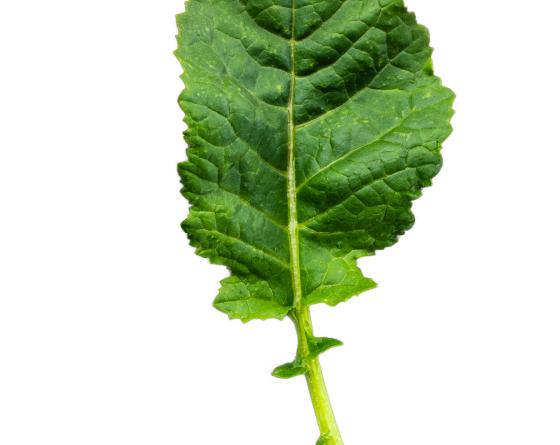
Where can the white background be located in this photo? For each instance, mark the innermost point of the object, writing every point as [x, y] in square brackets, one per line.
[107, 335]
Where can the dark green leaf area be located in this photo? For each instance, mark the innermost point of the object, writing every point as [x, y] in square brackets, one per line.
[360, 169]
[366, 44]
[369, 122]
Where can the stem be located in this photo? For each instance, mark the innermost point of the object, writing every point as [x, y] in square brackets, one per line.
[315, 381]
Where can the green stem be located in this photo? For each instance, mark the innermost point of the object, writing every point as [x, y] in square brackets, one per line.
[330, 434]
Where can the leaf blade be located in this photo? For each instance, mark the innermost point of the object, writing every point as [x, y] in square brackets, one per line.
[352, 81]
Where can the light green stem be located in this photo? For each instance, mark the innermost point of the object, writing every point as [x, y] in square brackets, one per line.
[330, 434]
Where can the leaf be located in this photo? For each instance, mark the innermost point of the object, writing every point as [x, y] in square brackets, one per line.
[315, 347]
[318, 345]
[312, 126]
[288, 370]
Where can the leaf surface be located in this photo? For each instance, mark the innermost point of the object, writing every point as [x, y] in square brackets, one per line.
[312, 126]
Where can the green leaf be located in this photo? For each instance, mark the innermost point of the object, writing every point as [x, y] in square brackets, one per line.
[312, 127]
[289, 370]
[315, 347]
[318, 345]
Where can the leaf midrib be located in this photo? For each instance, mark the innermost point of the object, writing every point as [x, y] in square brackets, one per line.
[293, 227]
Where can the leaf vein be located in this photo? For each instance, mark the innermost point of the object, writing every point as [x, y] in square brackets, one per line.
[272, 257]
